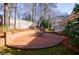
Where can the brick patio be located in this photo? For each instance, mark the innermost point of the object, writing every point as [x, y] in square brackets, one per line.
[30, 40]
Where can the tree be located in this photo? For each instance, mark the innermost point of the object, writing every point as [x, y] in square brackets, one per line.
[11, 9]
[6, 15]
[33, 11]
[45, 23]
[15, 15]
[49, 16]
[44, 9]
[76, 8]
[72, 31]
[27, 17]
[12, 12]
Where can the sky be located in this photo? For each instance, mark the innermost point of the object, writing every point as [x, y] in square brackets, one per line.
[66, 7]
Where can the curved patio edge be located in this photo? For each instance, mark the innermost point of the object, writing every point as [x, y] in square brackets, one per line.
[48, 43]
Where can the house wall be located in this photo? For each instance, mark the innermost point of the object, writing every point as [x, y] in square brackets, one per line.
[57, 26]
[61, 25]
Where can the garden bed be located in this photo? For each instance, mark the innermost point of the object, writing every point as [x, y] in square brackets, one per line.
[74, 48]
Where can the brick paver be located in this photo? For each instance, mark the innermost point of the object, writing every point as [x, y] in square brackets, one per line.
[31, 41]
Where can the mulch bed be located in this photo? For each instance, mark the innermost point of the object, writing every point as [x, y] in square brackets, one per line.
[74, 48]
[65, 42]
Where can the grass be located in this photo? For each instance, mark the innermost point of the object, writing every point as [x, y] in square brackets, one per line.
[55, 50]
[49, 30]
[6, 29]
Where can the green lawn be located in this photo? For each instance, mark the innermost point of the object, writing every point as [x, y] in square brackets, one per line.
[56, 50]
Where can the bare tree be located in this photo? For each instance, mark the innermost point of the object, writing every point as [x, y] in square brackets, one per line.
[10, 11]
[33, 11]
[15, 15]
[6, 14]
[49, 15]
[19, 13]
[44, 9]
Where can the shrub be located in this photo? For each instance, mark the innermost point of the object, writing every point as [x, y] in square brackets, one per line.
[45, 23]
[72, 30]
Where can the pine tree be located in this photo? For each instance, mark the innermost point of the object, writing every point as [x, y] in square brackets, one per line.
[76, 8]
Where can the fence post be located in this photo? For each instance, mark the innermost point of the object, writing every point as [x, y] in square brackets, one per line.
[5, 38]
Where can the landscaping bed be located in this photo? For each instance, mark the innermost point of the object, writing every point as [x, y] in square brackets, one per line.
[66, 43]
[72, 31]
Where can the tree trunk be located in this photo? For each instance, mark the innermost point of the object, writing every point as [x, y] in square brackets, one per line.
[6, 15]
[33, 11]
[9, 13]
[15, 16]
[49, 15]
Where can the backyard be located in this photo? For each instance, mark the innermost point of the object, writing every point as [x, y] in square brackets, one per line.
[40, 29]
[59, 48]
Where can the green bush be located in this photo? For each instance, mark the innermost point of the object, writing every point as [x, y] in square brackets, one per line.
[76, 8]
[46, 24]
[72, 30]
